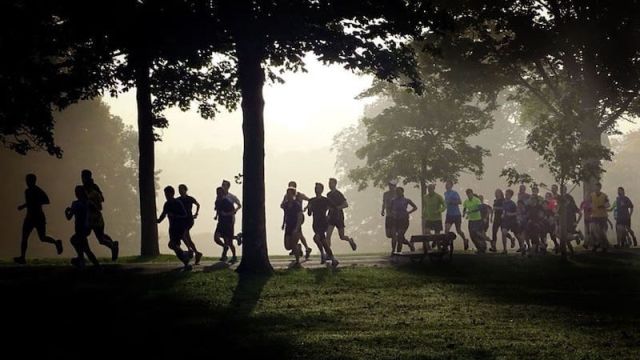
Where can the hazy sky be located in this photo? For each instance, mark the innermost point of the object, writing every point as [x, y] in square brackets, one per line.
[301, 118]
[303, 113]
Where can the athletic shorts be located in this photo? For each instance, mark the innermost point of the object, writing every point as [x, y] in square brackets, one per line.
[510, 224]
[624, 222]
[35, 222]
[320, 228]
[176, 233]
[336, 220]
[389, 224]
[290, 228]
[435, 225]
[602, 222]
[225, 228]
[401, 225]
[476, 226]
[453, 219]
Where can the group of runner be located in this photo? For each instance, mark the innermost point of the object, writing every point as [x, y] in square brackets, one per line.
[327, 214]
[86, 211]
[527, 219]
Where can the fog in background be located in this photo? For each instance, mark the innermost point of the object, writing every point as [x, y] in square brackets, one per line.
[302, 117]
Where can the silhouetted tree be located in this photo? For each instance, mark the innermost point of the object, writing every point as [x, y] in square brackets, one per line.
[362, 35]
[579, 59]
[162, 48]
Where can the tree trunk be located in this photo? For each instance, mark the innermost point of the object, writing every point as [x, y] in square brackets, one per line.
[562, 214]
[146, 162]
[591, 134]
[423, 192]
[255, 258]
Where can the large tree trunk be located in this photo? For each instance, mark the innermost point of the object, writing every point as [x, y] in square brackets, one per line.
[255, 258]
[146, 163]
[591, 134]
[562, 214]
[423, 192]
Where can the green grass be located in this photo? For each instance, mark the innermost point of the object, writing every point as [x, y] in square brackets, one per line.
[477, 307]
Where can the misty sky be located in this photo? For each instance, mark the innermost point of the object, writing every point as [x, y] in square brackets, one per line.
[305, 112]
[301, 118]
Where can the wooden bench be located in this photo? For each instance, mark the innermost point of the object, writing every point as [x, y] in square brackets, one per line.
[441, 247]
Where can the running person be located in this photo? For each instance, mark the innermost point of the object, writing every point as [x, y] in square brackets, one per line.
[292, 209]
[401, 216]
[188, 202]
[79, 210]
[318, 207]
[509, 221]
[599, 218]
[471, 210]
[300, 197]
[237, 205]
[486, 212]
[34, 198]
[454, 217]
[434, 206]
[498, 215]
[336, 213]
[178, 218]
[623, 210]
[387, 212]
[96, 221]
[536, 221]
[223, 235]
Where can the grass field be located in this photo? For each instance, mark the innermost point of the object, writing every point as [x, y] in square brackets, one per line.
[477, 307]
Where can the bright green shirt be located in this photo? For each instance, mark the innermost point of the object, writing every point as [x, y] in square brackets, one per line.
[472, 207]
[433, 207]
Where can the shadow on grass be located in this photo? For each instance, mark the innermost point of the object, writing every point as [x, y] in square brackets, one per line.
[58, 311]
[601, 283]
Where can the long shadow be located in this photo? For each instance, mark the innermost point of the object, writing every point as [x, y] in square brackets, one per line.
[598, 283]
[56, 311]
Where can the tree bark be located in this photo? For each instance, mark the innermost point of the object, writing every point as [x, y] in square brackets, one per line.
[255, 258]
[423, 192]
[146, 163]
[562, 214]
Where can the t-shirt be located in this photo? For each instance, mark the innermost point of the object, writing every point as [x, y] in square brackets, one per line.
[291, 210]
[318, 207]
[234, 199]
[535, 207]
[335, 198]
[224, 205]
[498, 206]
[34, 198]
[95, 198]
[509, 206]
[623, 207]
[399, 206]
[452, 201]
[570, 205]
[187, 202]
[299, 198]
[472, 207]
[80, 211]
[484, 211]
[598, 205]
[387, 197]
[523, 197]
[433, 207]
[175, 212]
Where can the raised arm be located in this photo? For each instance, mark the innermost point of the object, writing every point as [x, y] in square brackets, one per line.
[197, 204]
[413, 206]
